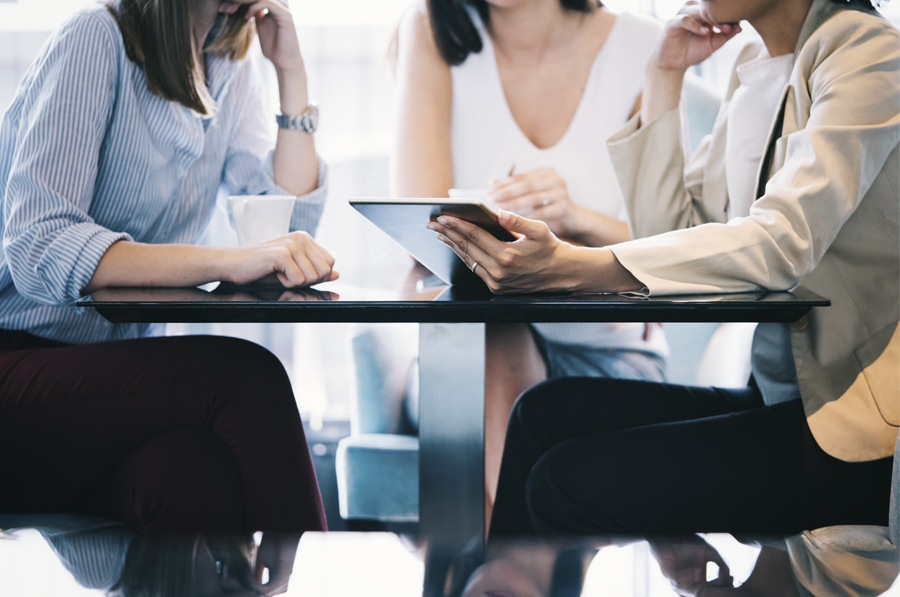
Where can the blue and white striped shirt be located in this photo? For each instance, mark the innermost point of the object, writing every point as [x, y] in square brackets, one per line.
[88, 156]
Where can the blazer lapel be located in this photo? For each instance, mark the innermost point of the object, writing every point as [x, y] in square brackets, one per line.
[769, 163]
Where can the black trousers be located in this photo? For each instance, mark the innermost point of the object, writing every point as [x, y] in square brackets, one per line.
[611, 456]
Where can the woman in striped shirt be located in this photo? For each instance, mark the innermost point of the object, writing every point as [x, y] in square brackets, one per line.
[111, 157]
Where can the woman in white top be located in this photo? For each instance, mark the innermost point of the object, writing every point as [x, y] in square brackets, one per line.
[534, 85]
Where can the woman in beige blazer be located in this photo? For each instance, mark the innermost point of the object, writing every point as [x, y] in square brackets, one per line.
[809, 443]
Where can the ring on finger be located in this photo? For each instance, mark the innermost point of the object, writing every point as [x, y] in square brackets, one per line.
[473, 266]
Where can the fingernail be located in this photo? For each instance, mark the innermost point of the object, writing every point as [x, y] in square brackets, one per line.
[503, 216]
[442, 238]
[444, 221]
[430, 226]
[704, 30]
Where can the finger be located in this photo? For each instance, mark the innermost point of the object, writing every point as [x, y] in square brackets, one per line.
[524, 186]
[290, 272]
[310, 274]
[229, 8]
[530, 202]
[479, 271]
[314, 254]
[466, 259]
[329, 259]
[693, 25]
[720, 39]
[471, 235]
[516, 224]
[263, 7]
[468, 252]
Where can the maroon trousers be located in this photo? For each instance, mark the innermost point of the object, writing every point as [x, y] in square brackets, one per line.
[170, 435]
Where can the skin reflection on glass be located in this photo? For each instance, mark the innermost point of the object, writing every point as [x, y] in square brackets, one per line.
[684, 561]
[531, 569]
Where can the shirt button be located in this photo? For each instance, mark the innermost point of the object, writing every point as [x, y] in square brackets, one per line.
[802, 323]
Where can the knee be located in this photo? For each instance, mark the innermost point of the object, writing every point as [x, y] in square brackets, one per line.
[248, 372]
[536, 404]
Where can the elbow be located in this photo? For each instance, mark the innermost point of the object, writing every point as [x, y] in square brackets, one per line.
[33, 274]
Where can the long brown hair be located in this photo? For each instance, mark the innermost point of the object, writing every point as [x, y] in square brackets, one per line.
[158, 37]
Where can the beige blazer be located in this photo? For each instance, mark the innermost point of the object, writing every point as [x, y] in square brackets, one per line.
[827, 220]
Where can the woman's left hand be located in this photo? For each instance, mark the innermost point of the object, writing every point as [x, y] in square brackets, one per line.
[277, 35]
[539, 194]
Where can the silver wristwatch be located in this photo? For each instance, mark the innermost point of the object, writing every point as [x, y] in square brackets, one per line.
[308, 121]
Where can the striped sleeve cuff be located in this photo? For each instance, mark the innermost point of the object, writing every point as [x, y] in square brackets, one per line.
[68, 264]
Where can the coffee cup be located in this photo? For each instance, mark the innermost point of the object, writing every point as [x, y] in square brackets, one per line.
[259, 218]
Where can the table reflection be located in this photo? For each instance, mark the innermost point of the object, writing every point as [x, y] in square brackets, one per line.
[106, 558]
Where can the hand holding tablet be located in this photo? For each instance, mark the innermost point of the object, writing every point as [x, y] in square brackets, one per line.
[404, 220]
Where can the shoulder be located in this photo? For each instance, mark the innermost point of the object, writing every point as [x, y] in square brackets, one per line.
[415, 25]
[639, 29]
[634, 37]
[415, 39]
[91, 30]
[851, 33]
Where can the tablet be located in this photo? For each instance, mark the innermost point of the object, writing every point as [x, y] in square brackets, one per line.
[404, 221]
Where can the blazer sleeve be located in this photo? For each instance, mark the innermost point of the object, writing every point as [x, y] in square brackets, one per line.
[50, 242]
[669, 194]
[829, 165]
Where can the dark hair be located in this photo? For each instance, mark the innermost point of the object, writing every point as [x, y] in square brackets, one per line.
[158, 37]
[457, 36]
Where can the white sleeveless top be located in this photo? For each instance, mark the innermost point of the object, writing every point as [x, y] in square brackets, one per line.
[486, 141]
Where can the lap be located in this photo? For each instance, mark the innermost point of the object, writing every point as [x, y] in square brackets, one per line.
[567, 408]
[575, 360]
[69, 414]
[630, 456]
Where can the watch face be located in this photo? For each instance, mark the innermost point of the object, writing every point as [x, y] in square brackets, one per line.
[313, 116]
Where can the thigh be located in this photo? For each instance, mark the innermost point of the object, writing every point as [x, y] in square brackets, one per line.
[181, 481]
[754, 471]
[567, 409]
[68, 415]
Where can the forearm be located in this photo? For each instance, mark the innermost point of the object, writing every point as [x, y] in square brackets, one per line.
[662, 91]
[772, 576]
[594, 270]
[597, 230]
[128, 263]
[295, 164]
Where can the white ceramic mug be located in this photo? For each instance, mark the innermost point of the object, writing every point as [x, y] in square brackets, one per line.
[258, 218]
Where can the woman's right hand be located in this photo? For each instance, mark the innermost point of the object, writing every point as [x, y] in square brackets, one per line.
[296, 260]
[689, 39]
